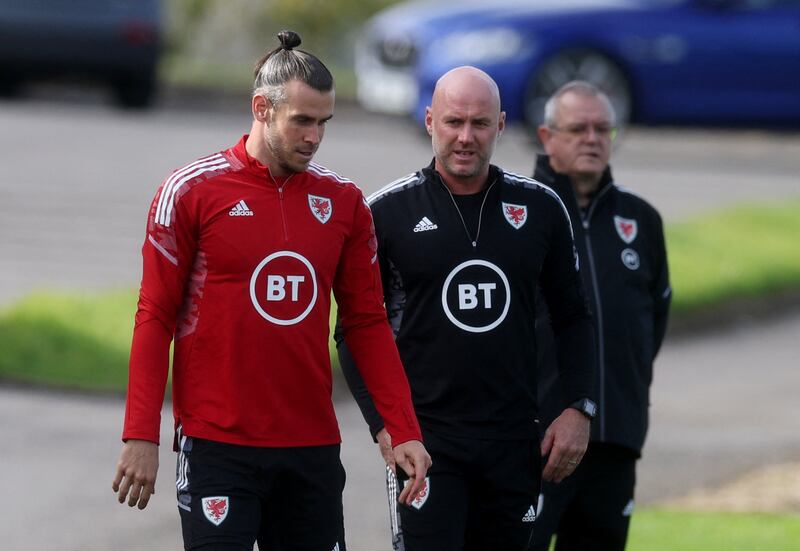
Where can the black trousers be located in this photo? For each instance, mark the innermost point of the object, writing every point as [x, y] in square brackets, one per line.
[591, 509]
[287, 498]
[480, 495]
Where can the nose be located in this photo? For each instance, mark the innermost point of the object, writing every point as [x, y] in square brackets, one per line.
[314, 134]
[592, 134]
[465, 135]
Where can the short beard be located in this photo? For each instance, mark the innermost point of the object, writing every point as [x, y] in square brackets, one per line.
[276, 149]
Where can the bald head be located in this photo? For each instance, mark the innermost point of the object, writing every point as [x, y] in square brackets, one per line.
[467, 84]
[464, 121]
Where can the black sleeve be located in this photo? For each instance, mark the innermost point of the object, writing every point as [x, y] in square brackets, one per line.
[661, 290]
[569, 313]
[356, 383]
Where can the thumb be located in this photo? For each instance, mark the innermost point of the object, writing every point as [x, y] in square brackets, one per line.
[547, 442]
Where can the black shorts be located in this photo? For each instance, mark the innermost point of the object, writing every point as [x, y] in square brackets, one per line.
[288, 498]
[591, 509]
[479, 495]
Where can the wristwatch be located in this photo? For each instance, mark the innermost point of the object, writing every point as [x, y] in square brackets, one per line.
[585, 406]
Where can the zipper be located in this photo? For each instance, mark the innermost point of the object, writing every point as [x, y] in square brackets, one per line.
[601, 362]
[280, 203]
[474, 242]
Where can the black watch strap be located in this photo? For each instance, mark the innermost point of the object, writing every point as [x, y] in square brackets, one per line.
[585, 406]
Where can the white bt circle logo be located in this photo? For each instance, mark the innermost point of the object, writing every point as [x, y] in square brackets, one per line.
[476, 296]
[283, 288]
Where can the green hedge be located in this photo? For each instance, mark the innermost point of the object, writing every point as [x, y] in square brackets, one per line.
[742, 252]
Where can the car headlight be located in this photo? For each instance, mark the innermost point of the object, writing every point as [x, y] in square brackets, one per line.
[484, 46]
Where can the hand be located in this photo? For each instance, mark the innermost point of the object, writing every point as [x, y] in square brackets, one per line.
[565, 440]
[413, 458]
[385, 446]
[136, 472]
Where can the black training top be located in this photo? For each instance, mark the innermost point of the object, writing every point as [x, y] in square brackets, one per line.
[460, 278]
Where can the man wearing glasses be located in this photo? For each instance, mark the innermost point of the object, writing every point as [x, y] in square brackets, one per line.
[620, 244]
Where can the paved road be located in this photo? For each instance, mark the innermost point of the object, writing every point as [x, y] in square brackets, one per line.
[75, 183]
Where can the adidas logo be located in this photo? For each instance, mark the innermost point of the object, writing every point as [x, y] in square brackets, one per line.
[425, 225]
[530, 516]
[241, 209]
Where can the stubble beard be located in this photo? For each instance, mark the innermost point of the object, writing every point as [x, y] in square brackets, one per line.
[279, 152]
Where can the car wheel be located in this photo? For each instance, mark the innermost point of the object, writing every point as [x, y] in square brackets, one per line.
[135, 92]
[577, 65]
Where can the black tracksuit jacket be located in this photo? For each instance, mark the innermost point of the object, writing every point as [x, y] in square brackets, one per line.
[463, 305]
[620, 242]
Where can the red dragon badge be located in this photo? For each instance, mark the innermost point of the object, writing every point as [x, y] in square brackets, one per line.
[321, 207]
[516, 215]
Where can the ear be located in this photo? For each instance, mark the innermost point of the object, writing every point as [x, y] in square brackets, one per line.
[544, 135]
[261, 108]
[429, 121]
[501, 123]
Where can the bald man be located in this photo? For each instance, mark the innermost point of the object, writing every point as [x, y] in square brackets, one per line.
[462, 246]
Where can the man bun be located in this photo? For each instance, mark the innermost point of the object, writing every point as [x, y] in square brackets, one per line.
[289, 39]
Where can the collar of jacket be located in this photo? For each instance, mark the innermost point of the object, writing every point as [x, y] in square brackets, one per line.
[561, 183]
[432, 175]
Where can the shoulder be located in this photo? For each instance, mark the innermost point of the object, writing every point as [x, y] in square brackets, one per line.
[325, 180]
[326, 175]
[190, 177]
[534, 189]
[637, 203]
[395, 189]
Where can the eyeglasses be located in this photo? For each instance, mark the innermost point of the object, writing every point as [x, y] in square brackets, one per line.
[580, 130]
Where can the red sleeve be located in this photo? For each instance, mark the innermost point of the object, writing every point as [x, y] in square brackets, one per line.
[359, 296]
[167, 256]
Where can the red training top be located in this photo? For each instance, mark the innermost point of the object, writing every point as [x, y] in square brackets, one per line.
[238, 269]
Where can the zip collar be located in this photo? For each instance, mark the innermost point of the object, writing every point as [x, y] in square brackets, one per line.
[430, 174]
[562, 185]
[239, 152]
[495, 174]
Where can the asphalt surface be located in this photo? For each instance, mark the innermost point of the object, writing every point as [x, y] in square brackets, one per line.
[76, 179]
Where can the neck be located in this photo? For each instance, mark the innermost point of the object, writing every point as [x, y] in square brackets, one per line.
[585, 187]
[257, 148]
[464, 186]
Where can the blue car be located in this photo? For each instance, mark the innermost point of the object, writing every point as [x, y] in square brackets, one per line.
[718, 62]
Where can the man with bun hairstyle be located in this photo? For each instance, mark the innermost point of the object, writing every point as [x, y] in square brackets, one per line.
[243, 249]
[463, 246]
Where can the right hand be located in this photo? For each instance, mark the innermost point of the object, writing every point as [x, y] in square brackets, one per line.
[385, 446]
[136, 472]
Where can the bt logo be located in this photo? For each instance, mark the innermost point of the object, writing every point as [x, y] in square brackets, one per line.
[283, 288]
[276, 287]
[468, 295]
[476, 296]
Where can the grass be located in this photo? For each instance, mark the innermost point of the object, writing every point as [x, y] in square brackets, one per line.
[742, 252]
[82, 340]
[671, 530]
[71, 340]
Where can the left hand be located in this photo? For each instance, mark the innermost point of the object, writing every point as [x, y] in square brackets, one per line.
[413, 458]
[565, 440]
